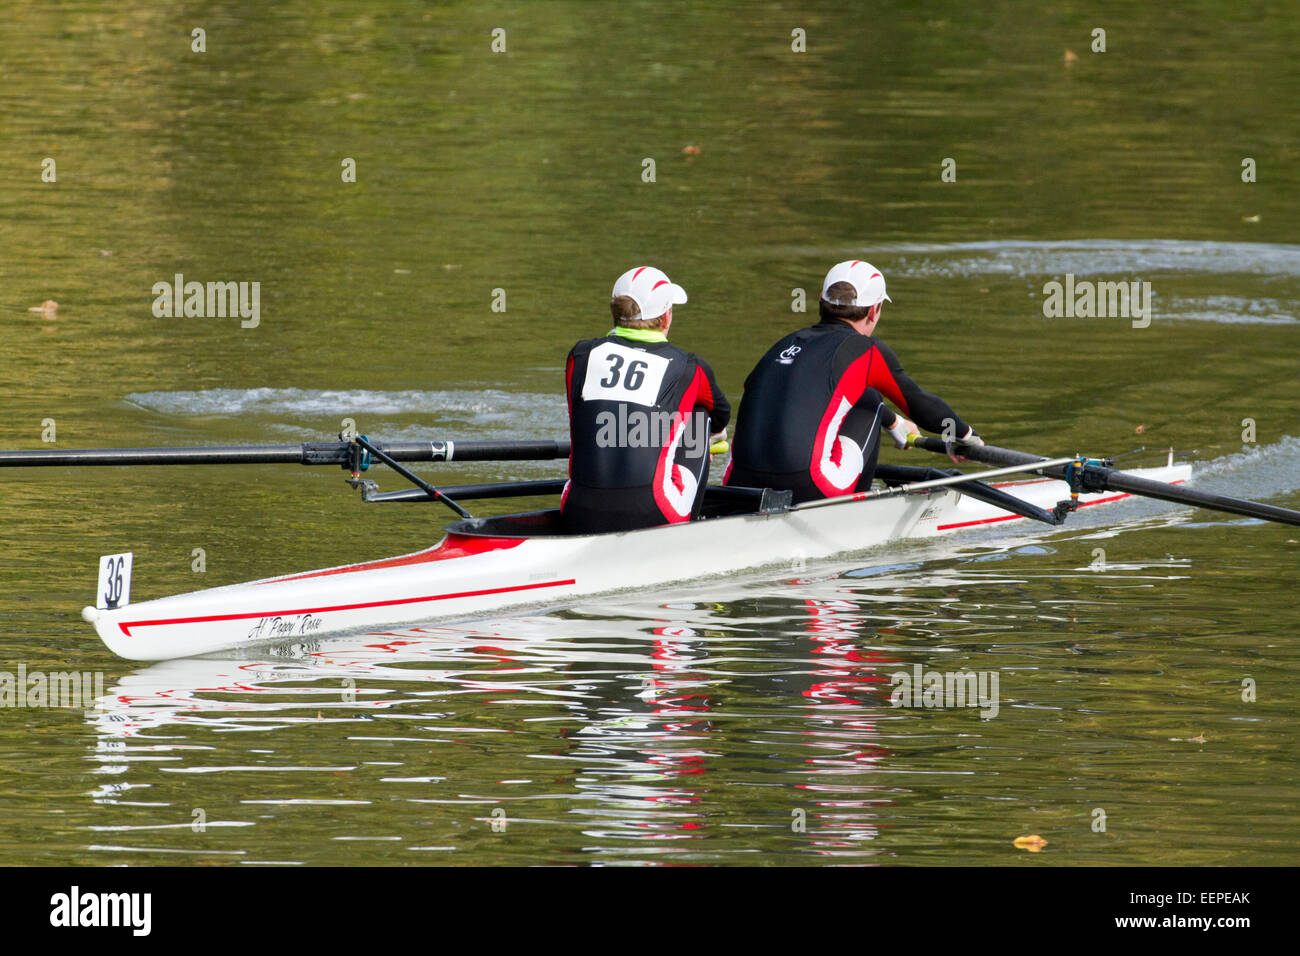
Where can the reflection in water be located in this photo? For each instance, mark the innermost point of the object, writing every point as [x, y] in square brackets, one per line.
[644, 724]
[839, 727]
[740, 717]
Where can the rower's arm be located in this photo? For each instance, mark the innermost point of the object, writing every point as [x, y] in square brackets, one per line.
[929, 411]
[568, 400]
[712, 397]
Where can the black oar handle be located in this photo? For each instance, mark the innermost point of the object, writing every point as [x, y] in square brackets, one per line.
[1109, 479]
[307, 453]
[987, 454]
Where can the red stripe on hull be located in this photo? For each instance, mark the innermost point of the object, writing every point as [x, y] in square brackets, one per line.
[453, 546]
[126, 627]
[1082, 504]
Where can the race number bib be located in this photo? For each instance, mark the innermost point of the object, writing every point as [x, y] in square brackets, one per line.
[114, 580]
[617, 373]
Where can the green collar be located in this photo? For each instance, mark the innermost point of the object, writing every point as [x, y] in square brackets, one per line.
[639, 335]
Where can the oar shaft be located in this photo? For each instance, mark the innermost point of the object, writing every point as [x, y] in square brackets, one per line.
[1114, 480]
[1119, 481]
[985, 454]
[906, 474]
[542, 450]
[213, 455]
[307, 453]
[1036, 464]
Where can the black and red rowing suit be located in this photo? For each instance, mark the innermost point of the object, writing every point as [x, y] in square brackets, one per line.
[640, 415]
[811, 416]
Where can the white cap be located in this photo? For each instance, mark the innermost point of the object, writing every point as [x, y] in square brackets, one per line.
[868, 284]
[650, 289]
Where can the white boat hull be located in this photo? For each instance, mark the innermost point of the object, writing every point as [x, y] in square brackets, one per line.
[467, 576]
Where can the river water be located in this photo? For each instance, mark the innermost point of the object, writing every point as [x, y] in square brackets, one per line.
[1146, 700]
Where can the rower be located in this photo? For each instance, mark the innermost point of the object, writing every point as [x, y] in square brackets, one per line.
[641, 413]
[812, 413]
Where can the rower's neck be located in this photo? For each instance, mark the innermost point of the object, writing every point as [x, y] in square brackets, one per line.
[861, 326]
[640, 335]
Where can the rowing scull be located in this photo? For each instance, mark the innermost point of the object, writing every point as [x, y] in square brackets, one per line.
[487, 565]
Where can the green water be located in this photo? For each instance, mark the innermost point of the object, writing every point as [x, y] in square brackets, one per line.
[699, 724]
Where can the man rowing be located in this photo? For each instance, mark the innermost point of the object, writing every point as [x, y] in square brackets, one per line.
[812, 413]
[641, 412]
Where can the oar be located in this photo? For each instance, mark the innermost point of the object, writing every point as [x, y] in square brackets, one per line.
[1093, 476]
[950, 479]
[900, 475]
[307, 453]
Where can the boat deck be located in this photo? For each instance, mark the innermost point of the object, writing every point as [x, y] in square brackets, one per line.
[719, 502]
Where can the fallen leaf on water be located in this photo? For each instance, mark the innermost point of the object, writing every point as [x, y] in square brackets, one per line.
[1140, 429]
[1198, 739]
[48, 307]
[1070, 57]
[1033, 843]
[1254, 218]
[691, 150]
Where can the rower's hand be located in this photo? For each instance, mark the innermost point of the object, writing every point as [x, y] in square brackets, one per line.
[903, 432]
[970, 441]
[718, 443]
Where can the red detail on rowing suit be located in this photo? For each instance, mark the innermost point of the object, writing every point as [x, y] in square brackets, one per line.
[849, 388]
[452, 546]
[666, 468]
[568, 381]
[705, 397]
[882, 379]
[568, 397]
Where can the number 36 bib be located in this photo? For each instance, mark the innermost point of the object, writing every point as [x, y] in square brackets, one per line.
[621, 374]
